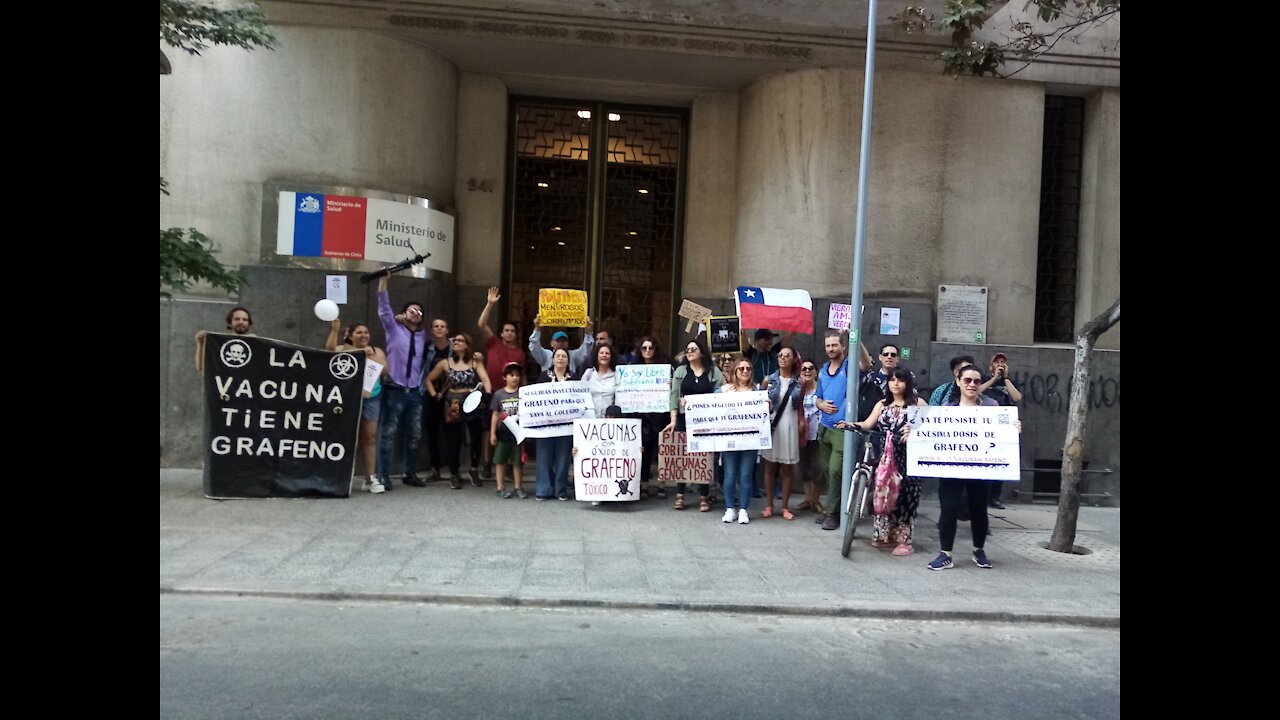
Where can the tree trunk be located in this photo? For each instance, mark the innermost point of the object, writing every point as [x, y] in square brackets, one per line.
[1064, 530]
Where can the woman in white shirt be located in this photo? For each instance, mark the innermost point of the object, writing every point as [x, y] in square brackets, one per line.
[602, 379]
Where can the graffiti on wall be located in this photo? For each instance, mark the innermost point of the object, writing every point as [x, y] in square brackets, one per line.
[1053, 392]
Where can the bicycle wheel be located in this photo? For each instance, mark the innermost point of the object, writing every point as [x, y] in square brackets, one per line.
[857, 496]
[864, 497]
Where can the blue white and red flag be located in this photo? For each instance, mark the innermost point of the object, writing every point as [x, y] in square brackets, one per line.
[774, 309]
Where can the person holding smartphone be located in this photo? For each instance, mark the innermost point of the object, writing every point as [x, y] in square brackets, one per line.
[1000, 387]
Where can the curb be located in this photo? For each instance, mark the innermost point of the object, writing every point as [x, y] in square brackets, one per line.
[866, 610]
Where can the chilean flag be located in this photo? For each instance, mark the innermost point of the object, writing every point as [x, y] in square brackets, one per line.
[774, 309]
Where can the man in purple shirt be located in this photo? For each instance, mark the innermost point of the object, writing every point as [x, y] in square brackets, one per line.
[401, 386]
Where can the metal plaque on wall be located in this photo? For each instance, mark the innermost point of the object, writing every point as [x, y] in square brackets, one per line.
[962, 313]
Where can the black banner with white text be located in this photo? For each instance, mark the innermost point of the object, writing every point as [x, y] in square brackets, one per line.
[280, 420]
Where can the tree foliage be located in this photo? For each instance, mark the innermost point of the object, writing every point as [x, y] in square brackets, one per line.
[195, 26]
[1025, 42]
[187, 255]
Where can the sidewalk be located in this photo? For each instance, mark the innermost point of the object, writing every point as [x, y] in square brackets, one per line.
[442, 545]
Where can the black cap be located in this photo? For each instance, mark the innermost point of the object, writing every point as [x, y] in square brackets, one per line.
[766, 334]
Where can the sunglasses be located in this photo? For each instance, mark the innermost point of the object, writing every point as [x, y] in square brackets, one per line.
[744, 369]
[461, 340]
[646, 347]
[971, 381]
[689, 350]
[807, 368]
[888, 354]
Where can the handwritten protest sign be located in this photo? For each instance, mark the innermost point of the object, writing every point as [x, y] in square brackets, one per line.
[643, 388]
[677, 465]
[694, 312]
[606, 460]
[838, 316]
[549, 409]
[562, 308]
[728, 421]
[973, 443]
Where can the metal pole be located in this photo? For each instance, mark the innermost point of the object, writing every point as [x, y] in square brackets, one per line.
[859, 256]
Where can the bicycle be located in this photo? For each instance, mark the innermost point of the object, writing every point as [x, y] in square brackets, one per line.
[860, 487]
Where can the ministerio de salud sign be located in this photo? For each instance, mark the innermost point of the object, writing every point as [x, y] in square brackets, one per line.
[349, 227]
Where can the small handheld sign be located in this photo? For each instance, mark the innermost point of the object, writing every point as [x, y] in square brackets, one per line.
[723, 334]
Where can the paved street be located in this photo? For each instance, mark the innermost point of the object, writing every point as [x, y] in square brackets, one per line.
[273, 658]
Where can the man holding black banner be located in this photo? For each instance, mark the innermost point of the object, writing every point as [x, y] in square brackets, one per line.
[406, 366]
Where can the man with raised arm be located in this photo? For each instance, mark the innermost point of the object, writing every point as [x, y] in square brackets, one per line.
[402, 388]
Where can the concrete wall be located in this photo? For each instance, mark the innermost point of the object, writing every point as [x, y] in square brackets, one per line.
[991, 200]
[953, 190]
[797, 162]
[1099, 281]
[1043, 375]
[333, 107]
[710, 203]
[480, 187]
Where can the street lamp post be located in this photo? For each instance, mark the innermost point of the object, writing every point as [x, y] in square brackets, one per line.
[859, 257]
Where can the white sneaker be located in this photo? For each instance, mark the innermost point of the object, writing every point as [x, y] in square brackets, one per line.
[367, 483]
[729, 515]
[375, 486]
[742, 517]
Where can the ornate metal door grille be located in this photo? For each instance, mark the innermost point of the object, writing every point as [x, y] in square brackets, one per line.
[607, 224]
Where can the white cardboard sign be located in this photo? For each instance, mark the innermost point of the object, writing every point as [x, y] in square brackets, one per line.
[549, 409]
[643, 388]
[972, 443]
[728, 421]
[606, 460]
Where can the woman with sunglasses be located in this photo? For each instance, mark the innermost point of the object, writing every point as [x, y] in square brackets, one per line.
[893, 529]
[651, 424]
[697, 375]
[462, 372]
[810, 469]
[950, 490]
[739, 465]
[785, 403]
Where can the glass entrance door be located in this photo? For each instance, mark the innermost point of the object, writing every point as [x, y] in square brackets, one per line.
[606, 222]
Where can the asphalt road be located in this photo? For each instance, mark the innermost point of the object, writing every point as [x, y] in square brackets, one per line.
[254, 657]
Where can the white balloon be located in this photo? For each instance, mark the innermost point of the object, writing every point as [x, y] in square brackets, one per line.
[327, 310]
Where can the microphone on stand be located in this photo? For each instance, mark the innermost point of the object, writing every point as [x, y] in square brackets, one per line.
[402, 265]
